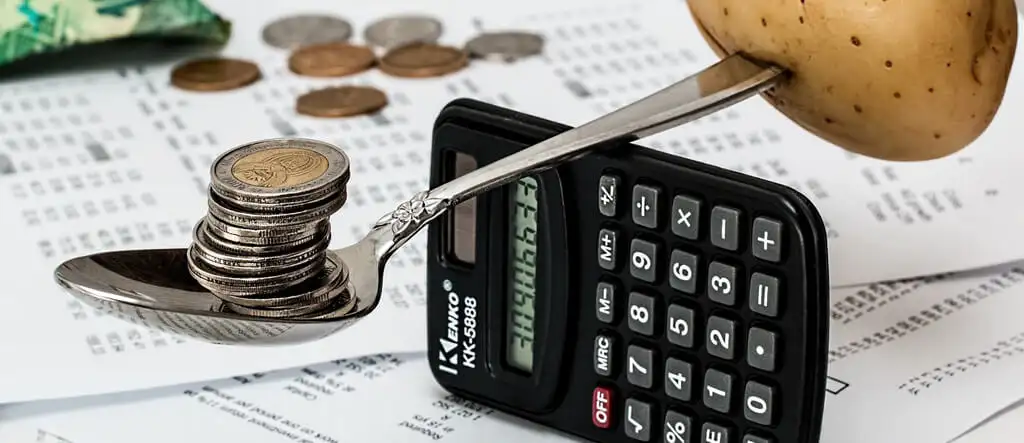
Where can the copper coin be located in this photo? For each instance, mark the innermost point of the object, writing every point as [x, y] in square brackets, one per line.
[341, 101]
[331, 60]
[423, 60]
[214, 74]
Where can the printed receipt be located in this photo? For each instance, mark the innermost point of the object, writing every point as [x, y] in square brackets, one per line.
[933, 360]
[114, 158]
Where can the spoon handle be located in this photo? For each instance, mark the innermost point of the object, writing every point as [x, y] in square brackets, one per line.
[721, 85]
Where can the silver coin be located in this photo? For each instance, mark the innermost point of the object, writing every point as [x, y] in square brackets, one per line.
[288, 204]
[250, 286]
[221, 241]
[279, 170]
[234, 264]
[261, 237]
[317, 211]
[315, 291]
[343, 303]
[306, 29]
[398, 30]
[505, 46]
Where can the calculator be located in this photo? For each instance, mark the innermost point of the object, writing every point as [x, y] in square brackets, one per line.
[628, 295]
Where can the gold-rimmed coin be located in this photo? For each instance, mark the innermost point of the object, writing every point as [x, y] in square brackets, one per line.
[331, 59]
[341, 101]
[214, 74]
[423, 60]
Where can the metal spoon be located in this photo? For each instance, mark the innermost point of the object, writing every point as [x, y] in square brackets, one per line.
[153, 287]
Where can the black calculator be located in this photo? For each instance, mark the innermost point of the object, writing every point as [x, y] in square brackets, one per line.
[629, 295]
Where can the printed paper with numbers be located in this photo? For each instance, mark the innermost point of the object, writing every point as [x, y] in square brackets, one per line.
[922, 361]
[113, 157]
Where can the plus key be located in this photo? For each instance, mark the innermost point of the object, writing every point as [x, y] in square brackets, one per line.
[767, 239]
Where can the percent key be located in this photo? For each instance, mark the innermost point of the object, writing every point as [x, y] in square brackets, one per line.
[677, 428]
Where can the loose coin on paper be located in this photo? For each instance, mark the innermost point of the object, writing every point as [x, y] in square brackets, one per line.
[341, 101]
[423, 60]
[306, 29]
[331, 60]
[390, 32]
[214, 74]
[506, 46]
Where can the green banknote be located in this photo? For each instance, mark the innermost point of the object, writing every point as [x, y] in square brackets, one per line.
[30, 27]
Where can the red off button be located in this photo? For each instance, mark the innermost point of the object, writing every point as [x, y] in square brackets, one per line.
[601, 408]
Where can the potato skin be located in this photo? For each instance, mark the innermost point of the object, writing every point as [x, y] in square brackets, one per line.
[888, 79]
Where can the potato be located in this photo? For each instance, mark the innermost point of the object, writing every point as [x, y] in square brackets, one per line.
[895, 80]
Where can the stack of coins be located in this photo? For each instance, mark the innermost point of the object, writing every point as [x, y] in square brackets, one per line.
[263, 245]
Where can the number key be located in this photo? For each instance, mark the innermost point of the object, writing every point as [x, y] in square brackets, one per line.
[643, 263]
[680, 326]
[639, 366]
[722, 283]
[678, 374]
[721, 337]
[641, 313]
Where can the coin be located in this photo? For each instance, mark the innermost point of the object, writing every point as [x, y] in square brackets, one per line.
[331, 60]
[505, 46]
[279, 170]
[423, 60]
[306, 29]
[223, 210]
[318, 290]
[264, 241]
[341, 101]
[398, 30]
[214, 74]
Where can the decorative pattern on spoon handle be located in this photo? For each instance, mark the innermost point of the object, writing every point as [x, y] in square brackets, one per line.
[411, 215]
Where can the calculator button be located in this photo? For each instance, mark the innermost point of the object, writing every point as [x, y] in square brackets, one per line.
[722, 283]
[721, 337]
[638, 420]
[601, 407]
[757, 403]
[686, 217]
[604, 355]
[761, 349]
[766, 241]
[607, 195]
[607, 252]
[764, 294]
[677, 428]
[724, 228]
[683, 272]
[678, 376]
[641, 313]
[605, 302]
[643, 260]
[680, 326]
[640, 366]
[645, 206]
[717, 390]
[714, 433]
[750, 438]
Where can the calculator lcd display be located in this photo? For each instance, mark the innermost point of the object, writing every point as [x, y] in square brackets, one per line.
[523, 274]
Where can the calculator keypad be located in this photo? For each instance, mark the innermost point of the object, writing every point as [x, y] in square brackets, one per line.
[687, 323]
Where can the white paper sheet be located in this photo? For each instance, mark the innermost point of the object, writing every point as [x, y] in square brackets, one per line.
[925, 360]
[954, 364]
[62, 196]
